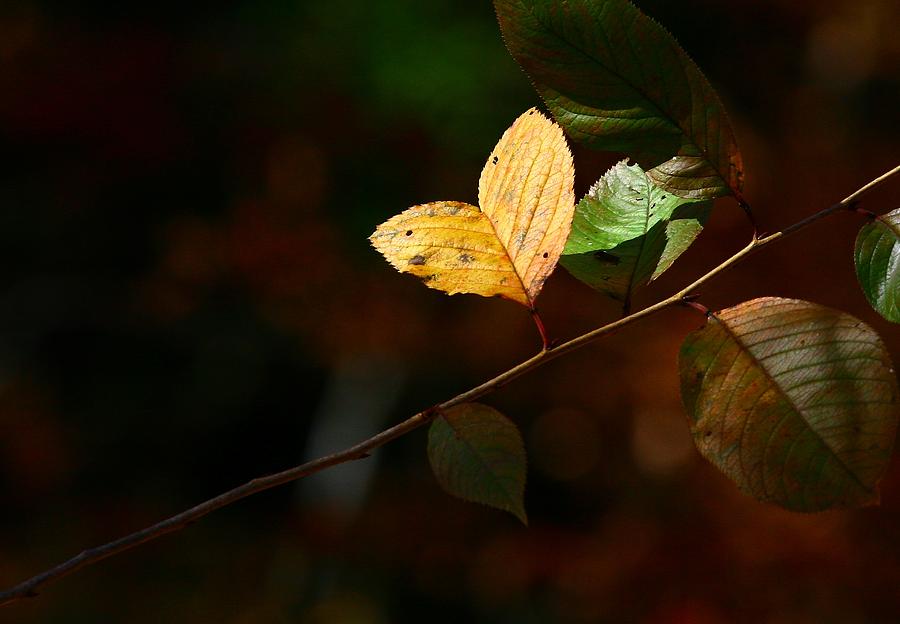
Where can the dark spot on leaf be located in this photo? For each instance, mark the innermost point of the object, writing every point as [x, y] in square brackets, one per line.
[708, 433]
[465, 258]
[495, 160]
[409, 232]
[417, 260]
[503, 281]
[607, 258]
[546, 255]
[428, 278]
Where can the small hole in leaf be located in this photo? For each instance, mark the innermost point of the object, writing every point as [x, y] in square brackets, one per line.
[409, 232]
[531, 112]
[546, 255]
[495, 160]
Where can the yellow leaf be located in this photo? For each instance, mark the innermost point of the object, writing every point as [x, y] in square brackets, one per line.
[509, 247]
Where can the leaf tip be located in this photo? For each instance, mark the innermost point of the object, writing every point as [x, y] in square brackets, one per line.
[478, 454]
[520, 513]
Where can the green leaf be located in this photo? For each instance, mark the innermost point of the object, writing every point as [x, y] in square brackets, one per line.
[477, 454]
[877, 260]
[627, 231]
[793, 401]
[617, 80]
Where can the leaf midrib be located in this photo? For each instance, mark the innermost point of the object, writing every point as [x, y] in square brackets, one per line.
[704, 152]
[512, 263]
[740, 343]
[512, 499]
[890, 225]
[643, 243]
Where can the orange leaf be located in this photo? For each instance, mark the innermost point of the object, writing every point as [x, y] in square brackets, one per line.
[509, 246]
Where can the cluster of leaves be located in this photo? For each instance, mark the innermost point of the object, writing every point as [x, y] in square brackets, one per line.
[795, 402]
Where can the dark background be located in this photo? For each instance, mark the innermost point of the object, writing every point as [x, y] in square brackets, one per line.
[189, 300]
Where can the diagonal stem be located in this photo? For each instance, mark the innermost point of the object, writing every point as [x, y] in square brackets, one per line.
[28, 588]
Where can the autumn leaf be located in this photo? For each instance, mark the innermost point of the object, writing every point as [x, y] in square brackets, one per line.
[508, 247]
[795, 402]
[616, 80]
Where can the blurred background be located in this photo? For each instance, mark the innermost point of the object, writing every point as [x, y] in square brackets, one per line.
[189, 300]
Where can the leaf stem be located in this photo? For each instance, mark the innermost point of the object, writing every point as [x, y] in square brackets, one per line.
[539, 323]
[696, 305]
[749, 214]
[28, 588]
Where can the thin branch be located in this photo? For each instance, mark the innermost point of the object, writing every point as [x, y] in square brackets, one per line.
[28, 588]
